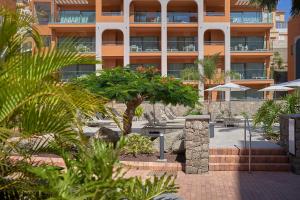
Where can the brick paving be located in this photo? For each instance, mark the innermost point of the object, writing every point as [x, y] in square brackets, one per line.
[232, 185]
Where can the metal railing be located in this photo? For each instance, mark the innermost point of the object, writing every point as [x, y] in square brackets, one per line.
[144, 46]
[251, 18]
[147, 17]
[214, 42]
[182, 17]
[68, 75]
[256, 46]
[247, 127]
[249, 74]
[182, 46]
[120, 13]
[214, 14]
[114, 42]
[75, 18]
[81, 47]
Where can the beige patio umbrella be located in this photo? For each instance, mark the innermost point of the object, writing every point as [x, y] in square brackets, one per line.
[229, 87]
[276, 88]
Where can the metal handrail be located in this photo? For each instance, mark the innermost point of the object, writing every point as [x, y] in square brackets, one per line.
[247, 126]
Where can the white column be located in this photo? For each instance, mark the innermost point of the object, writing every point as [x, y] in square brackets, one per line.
[164, 37]
[99, 32]
[126, 32]
[201, 31]
[227, 57]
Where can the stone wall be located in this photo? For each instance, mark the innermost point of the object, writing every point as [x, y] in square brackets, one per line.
[196, 144]
[284, 139]
[237, 107]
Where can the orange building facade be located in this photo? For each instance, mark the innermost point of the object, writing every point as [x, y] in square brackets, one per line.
[294, 48]
[168, 34]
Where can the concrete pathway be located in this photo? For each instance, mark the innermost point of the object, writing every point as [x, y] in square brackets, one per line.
[235, 185]
[234, 137]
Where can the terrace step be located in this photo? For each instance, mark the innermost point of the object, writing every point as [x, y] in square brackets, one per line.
[245, 159]
[234, 159]
[244, 167]
[236, 151]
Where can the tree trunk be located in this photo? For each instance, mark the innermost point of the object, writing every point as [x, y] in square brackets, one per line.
[129, 113]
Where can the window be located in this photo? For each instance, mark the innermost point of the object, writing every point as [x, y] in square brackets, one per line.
[251, 43]
[251, 94]
[149, 43]
[175, 69]
[297, 56]
[46, 40]
[74, 71]
[249, 70]
[43, 12]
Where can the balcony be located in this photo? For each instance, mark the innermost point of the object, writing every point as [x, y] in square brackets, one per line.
[80, 47]
[250, 46]
[176, 69]
[214, 47]
[147, 17]
[68, 75]
[145, 46]
[182, 46]
[119, 13]
[251, 18]
[249, 74]
[75, 17]
[182, 17]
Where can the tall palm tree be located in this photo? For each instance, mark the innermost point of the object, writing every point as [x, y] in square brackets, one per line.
[272, 4]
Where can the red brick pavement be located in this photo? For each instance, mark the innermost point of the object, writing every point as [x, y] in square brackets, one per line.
[233, 185]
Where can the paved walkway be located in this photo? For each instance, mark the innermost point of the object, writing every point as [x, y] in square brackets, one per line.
[234, 137]
[235, 185]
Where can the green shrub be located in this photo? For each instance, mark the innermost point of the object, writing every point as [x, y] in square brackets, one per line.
[138, 144]
[139, 112]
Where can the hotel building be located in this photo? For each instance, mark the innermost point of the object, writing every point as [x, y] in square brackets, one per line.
[168, 34]
[294, 48]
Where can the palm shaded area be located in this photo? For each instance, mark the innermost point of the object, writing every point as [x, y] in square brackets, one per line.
[272, 4]
[39, 114]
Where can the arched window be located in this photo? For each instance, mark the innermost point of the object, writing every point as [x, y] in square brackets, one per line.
[297, 56]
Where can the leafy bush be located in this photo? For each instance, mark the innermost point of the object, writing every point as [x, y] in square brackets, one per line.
[94, 173]
[267, 115]
[138, 144]
[139, 112]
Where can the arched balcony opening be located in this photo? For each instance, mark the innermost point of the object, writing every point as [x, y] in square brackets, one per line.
[145, 12]
[112, 48]
[182, 41]
[214, 42]
[182, 11]
[112, 7]
[214, 8]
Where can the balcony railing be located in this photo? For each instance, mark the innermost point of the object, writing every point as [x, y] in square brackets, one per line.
[214, 42]
[182, 46]
[147, 17]
[68, 75]
[81, 47]
[251, 18]
[112, 42]
[215, 14]
[120, 13]
[249, 74]
[248, 46]
[182, 17]
[75, 18]
[145, 46]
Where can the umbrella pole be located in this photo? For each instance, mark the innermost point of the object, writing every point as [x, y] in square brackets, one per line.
[154, 117]
[229, 102]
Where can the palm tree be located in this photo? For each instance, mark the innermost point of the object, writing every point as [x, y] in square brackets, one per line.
[272, 4]
[36, 110]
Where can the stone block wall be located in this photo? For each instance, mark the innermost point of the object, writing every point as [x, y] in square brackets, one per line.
[196, 144]
[284, 139]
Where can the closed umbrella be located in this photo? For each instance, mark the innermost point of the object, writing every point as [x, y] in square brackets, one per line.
[229, 87]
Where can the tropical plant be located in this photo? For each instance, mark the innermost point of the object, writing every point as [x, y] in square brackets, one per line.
[40, 114]
[94, 172]
[138, 144]
[190, 74]
[272, 4]
[139, 112]
[269, 112]
[134, 87]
